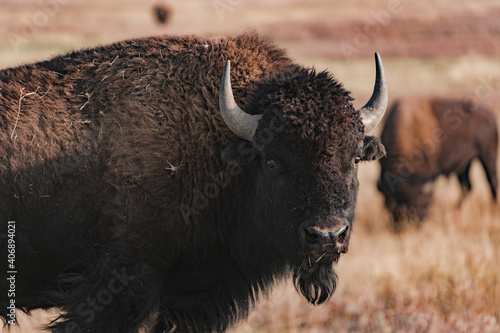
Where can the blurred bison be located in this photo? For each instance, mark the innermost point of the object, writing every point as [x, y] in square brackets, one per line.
[142, 192]
[426, 137]
[162, 13]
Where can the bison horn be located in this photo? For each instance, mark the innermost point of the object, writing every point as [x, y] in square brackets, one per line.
[241, 123]
[373, 111]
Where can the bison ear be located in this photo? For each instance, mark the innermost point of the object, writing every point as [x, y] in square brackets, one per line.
[372, 149]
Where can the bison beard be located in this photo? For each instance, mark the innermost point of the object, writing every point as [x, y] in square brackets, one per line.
[316, 281]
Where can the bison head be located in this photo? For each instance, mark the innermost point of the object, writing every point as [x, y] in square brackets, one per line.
[301, 142]
[407, 198]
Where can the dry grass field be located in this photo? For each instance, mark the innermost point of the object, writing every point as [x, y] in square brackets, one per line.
[440, 276]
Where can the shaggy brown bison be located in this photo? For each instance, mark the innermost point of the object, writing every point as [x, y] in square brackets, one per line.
[427, 137]
[139, 195]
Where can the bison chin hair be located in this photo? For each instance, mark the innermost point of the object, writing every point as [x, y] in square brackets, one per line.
[316, 283]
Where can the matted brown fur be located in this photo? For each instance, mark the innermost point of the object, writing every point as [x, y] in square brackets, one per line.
[78, 102]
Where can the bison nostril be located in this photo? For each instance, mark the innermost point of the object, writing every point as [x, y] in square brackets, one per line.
[341, 232]
[311, 236]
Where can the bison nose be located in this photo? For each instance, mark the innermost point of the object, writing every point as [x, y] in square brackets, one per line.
[323, 240]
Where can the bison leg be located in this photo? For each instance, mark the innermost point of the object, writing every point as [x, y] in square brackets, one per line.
[488, 147]
[105, 298]
[489, 165]
[464, 180]
[164, 326]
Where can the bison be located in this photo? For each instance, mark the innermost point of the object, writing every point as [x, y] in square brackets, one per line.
[426, 137]
[141, 192]
[162, 13]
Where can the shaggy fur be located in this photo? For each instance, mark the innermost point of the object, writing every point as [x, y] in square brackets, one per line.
[135, 203]
[426, 137]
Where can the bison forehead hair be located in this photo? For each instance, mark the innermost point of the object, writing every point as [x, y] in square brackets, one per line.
[315, 109]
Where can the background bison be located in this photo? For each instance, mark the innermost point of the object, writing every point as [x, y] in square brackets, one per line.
[162, 13]
[140, 195]
[426, 137]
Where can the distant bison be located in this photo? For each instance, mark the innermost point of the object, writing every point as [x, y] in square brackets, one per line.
[426, 137]
[141, 192]
[162, 13]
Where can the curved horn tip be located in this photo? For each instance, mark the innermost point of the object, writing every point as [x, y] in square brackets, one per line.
[227, 67]
[373, 111]
[379, 68]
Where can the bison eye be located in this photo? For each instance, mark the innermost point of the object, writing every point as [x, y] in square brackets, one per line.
[271, 164]
[357, 159]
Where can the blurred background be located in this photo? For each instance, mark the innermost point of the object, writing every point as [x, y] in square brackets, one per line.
[440, 276]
